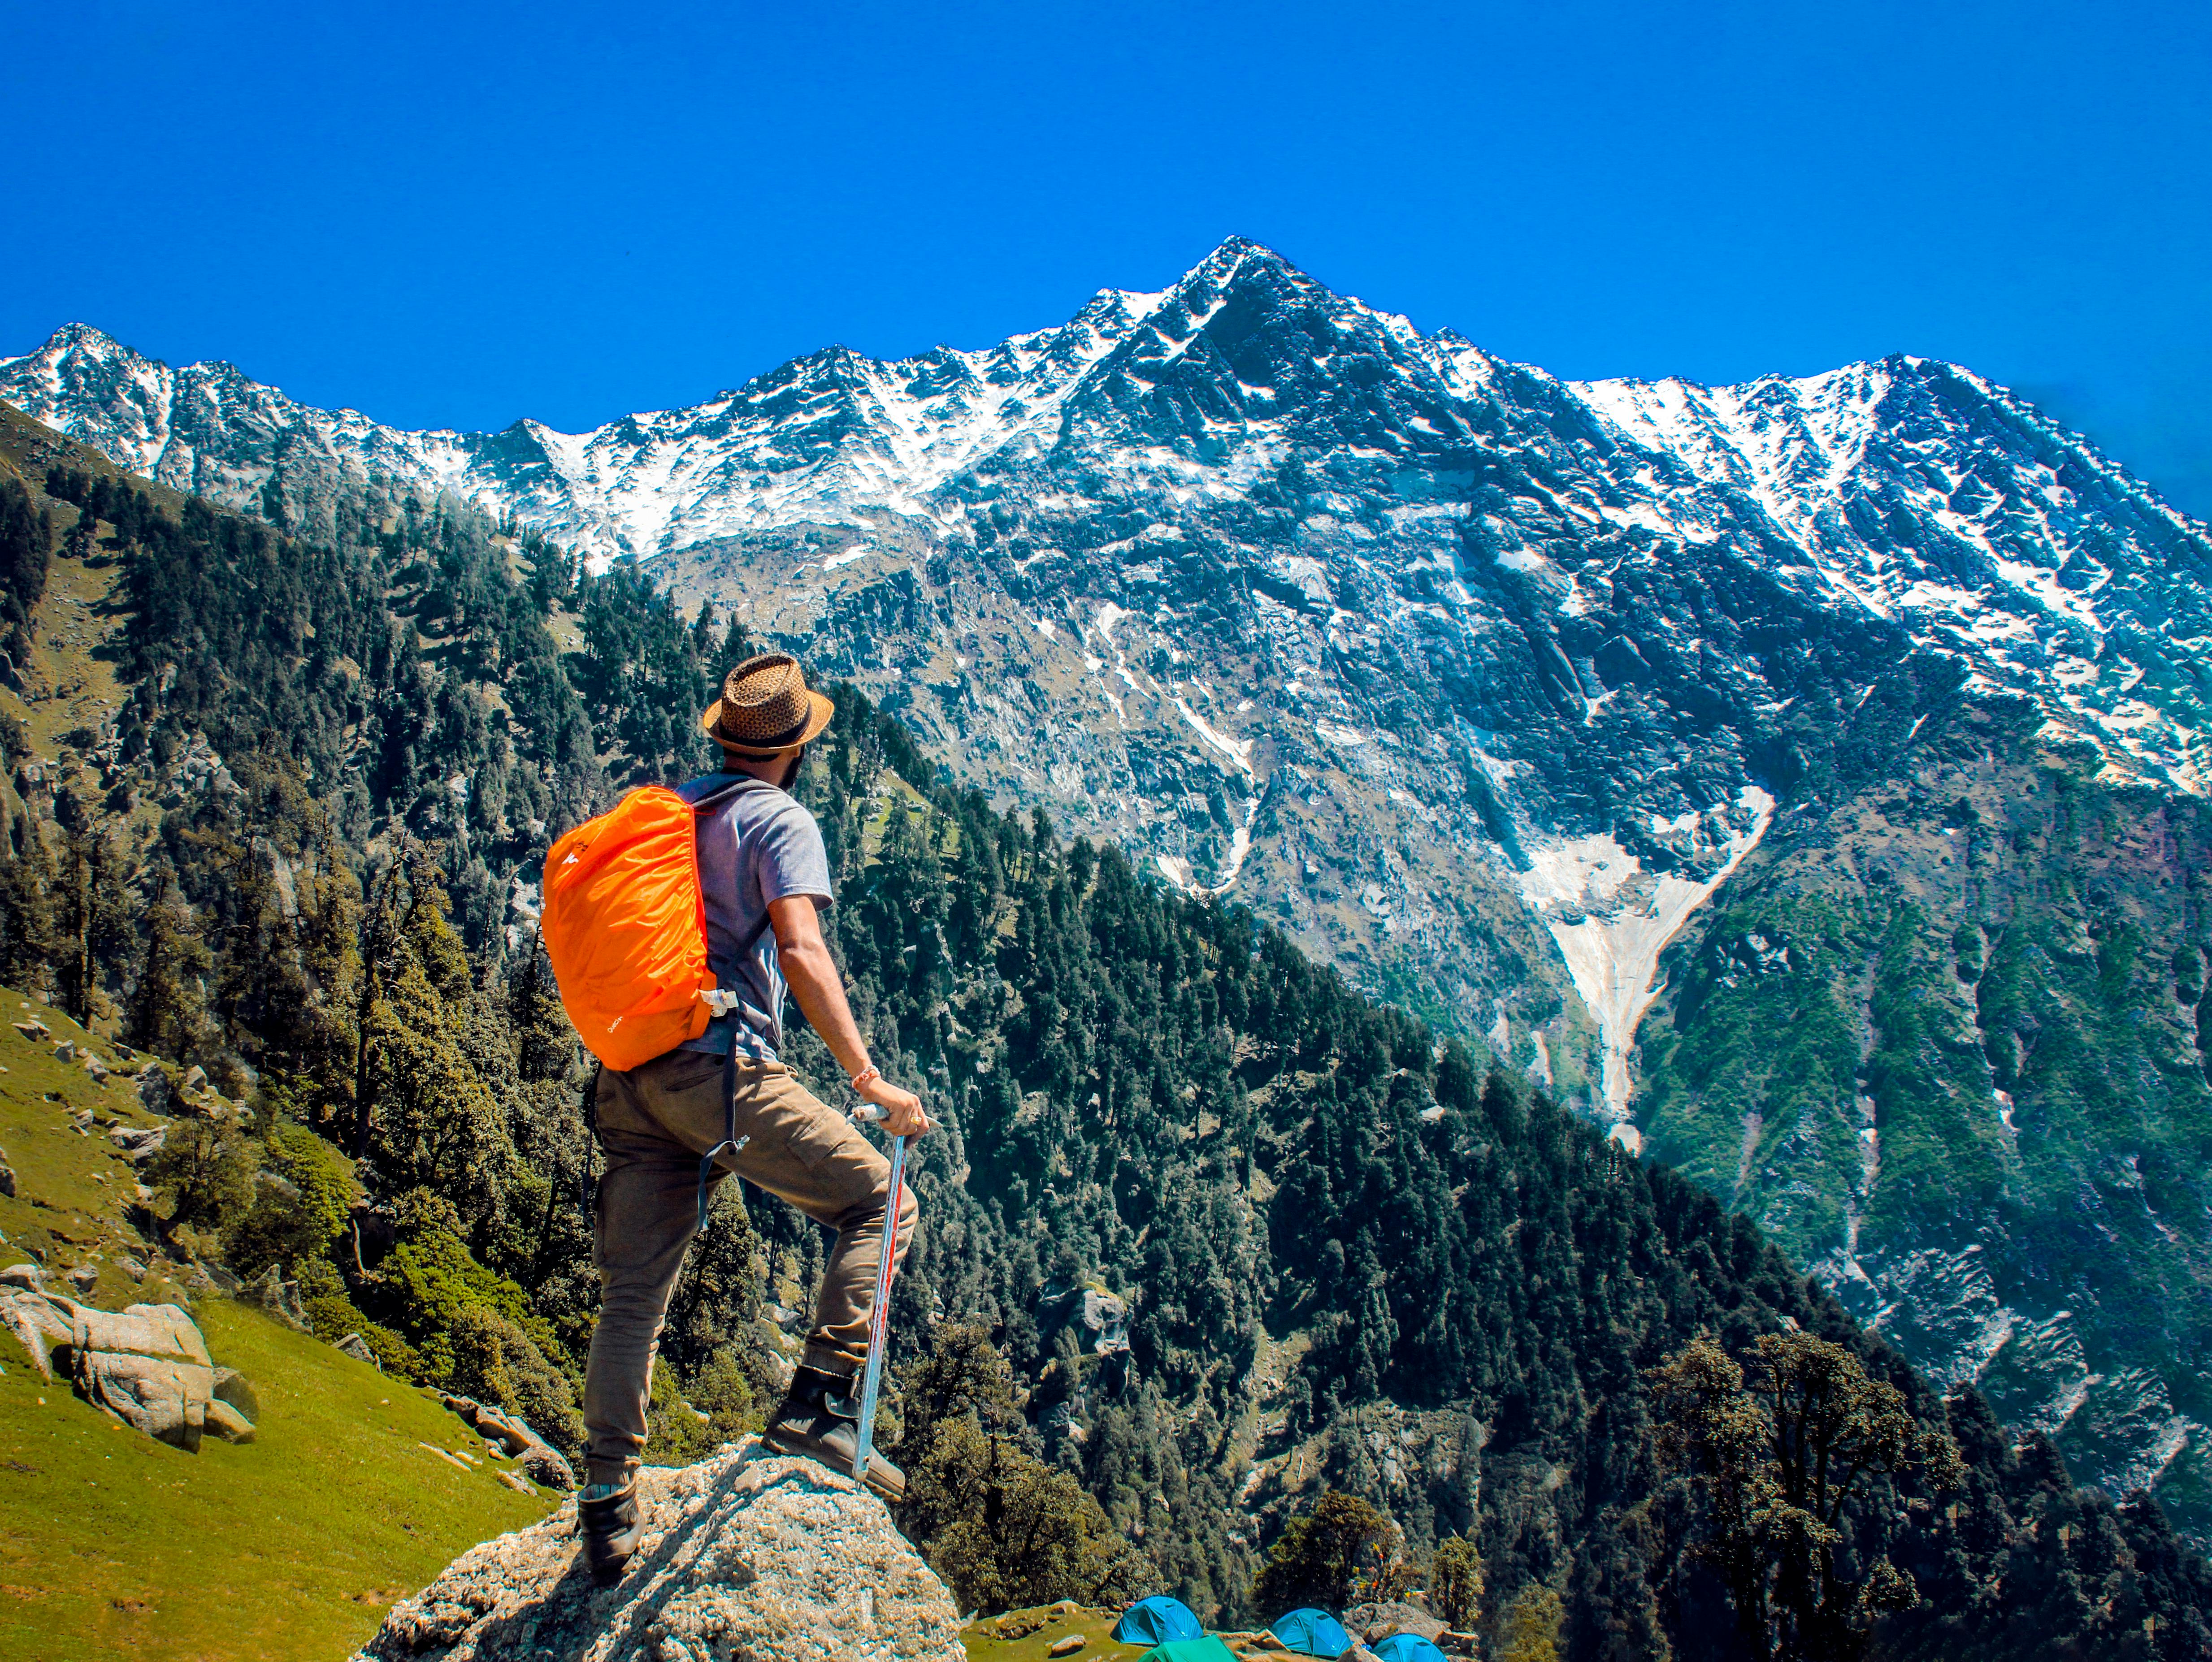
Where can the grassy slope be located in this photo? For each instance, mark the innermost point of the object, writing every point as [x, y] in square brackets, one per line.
[112, 1544]
[983, 1643]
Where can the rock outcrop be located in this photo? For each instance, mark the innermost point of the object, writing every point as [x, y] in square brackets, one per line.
[746, 1557]
[146, 1364]
[539, 1459]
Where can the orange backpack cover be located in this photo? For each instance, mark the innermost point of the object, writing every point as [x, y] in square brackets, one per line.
[626, 928]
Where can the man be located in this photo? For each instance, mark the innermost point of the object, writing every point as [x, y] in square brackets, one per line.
[765, 877]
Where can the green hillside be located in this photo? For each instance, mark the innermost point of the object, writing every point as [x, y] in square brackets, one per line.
[1943, 1038]
[113, 1545]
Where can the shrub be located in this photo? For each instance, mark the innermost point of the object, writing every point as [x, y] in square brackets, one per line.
[1342, 1552]
[1456, 1582]
[331, 1315]
[203, 1174]
[1007, 1531]
[296, 1220]
[496, 1362]
[1532, 1626]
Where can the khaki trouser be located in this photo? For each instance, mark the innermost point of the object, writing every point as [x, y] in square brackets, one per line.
[655, 1123]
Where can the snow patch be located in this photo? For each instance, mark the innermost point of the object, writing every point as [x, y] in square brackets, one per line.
[1613, 957]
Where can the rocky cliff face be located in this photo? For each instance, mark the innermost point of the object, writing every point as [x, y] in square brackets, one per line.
[1498, 690]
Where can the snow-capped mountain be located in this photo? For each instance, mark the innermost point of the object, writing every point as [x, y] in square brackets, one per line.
[1481, 683]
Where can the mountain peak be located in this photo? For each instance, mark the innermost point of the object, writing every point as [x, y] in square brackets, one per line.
[84, 337]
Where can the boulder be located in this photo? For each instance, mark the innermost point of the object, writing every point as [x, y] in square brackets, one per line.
[211, 1280]
[227, 1423]
[34, 1030]
[545, 1465]
[1376, 1622]
[357, 1347]
[146, 1364]
[6, 1176]
[195, 1078]
[155, 1094]
[277, 1296]
[139, 1144]
[143, 1330]
[66, 1051]
[745, 1554]
[40, 1322]
[231, 1386]
[166, 1400]
[29, 1276]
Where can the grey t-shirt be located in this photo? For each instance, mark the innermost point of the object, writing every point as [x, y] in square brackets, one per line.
[756, 845]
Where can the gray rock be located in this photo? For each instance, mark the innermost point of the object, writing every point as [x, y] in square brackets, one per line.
[544, 1462]
[43, 1324]
[138, 1142]
[82, 1276]
[195, 1078]
[1377, 1622]
[277, 1183]
[166, 1400]
[34, 1030]
[547, 1465]
[6, 1176]
[160, 1331]
[744, 1555]
[147, 1365]
[207, 1279]
[28, 1276]
[278, 1297]
[357, 1347]
[65, 1051]
[233, 1387]
[227, 1423]
[155, 1094]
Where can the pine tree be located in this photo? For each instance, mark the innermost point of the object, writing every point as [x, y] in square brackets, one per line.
[168, 1004]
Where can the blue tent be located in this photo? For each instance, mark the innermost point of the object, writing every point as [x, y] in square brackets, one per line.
[1156, 1620]
[1407, 1648]
[1312, 1633]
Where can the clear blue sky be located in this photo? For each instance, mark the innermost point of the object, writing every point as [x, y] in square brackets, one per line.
[455, 214]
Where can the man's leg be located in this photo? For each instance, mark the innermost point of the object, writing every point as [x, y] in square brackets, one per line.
[648, 1212]
[805, 1153]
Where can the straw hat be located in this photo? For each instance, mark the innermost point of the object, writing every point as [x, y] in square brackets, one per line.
[766, 708]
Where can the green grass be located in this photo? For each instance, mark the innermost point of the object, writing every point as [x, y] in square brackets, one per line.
[983, 1644]
[290, 1547]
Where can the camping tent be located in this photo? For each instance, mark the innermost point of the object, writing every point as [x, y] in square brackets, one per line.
[1312, 1633]
[1204, 1648]
[1156, 1620]
[1407, 1648]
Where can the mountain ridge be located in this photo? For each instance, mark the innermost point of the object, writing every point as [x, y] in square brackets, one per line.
[1498, 690]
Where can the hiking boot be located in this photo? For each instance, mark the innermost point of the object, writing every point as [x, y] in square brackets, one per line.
[606, 1517]
[816, 1419]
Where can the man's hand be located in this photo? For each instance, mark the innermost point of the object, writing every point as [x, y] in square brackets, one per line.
[812, 975]
[903, 1115]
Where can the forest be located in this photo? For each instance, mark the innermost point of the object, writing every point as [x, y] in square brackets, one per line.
[1209, 1238]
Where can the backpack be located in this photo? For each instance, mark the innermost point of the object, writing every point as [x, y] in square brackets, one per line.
[625, 926]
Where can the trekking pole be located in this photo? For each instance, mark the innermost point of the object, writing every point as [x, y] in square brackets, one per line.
[879, 1318]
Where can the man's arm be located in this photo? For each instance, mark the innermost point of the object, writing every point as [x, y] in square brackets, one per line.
[812, 975]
